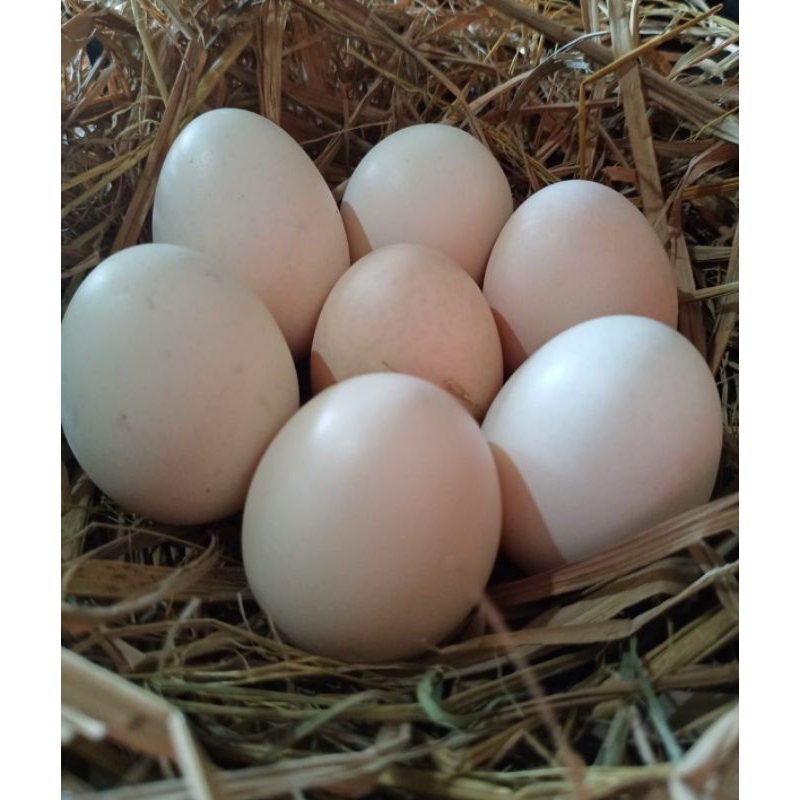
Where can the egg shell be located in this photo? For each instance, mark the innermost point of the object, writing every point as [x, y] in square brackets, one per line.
[611, 427]
[238, 187]
[174, 379]
[428, 184]
[408, 308]
[373, 520]
[573, 251]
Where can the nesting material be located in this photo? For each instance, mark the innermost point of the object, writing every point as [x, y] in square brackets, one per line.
[616, 675]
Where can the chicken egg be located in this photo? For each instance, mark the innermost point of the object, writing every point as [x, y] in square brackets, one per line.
[611, 427]
[174, 378]
[428, 184]
[408, 308]
[373, 520]
[573, 251]
[238, 187]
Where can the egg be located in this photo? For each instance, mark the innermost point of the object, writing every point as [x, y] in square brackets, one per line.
[428, 184]
[236, 186]
[573, 251]
[611, 427]
[408, 308]
[174, 379]
[373, 520]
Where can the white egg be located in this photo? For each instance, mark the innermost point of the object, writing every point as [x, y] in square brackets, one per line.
[434, 185]
[611, 427]
[238, 187]
[174, 379]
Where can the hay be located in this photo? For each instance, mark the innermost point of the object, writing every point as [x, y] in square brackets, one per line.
[614, 677]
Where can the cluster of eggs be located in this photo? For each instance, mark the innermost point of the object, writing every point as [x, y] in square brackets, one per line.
[373, 514]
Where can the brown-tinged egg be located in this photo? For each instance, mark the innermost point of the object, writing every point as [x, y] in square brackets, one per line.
[408, 308]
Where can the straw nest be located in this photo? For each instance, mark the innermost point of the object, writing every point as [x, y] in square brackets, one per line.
[614, 677]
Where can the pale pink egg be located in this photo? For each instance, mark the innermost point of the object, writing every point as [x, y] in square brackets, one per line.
[573, 251]
[373, 520]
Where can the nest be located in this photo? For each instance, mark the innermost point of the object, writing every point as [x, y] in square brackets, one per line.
[613, 677]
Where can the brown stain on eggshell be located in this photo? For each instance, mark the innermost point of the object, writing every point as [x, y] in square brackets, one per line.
[465, 398]
[322, 377]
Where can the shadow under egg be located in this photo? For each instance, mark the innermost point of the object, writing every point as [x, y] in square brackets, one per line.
[321, 374]
[525, 537]
[513, 351]
[357, 239]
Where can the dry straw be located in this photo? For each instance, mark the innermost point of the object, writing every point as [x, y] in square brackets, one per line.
[614, 677]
